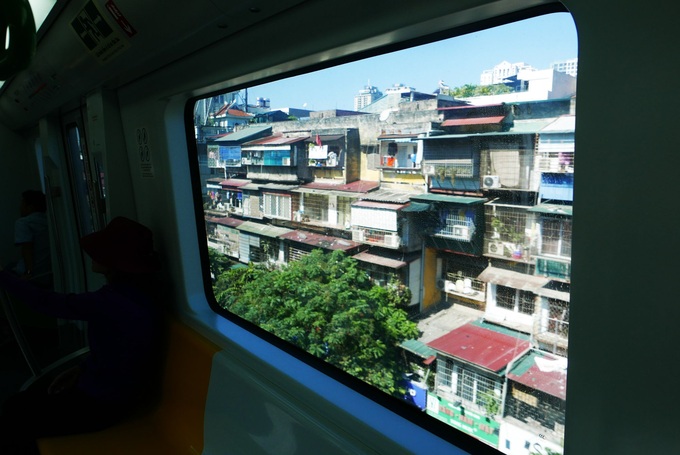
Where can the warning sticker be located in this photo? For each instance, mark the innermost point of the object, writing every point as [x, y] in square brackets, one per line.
[102, 40]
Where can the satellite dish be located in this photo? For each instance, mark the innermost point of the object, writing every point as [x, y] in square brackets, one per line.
[385, 114]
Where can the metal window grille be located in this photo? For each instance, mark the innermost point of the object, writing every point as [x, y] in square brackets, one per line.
[316, 207]
[277, 206]
[444, 373]
[556, 236]
[473, 387]
[505, 297]
[558, 317]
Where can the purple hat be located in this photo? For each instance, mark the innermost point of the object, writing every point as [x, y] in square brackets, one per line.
[123, 245]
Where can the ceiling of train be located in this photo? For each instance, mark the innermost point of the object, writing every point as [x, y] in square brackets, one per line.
[85, 44]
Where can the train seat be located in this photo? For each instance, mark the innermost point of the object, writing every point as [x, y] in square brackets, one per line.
[175, 424]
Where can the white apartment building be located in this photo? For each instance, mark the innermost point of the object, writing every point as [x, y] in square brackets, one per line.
[566, 66]
[502, 71]
[366, 96]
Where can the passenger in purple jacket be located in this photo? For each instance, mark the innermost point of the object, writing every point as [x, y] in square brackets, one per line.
[124, 323]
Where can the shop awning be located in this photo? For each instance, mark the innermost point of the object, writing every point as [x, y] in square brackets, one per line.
[380, 260]
[435, 197]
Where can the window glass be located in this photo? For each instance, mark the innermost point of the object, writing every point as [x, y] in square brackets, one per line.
[400, 216]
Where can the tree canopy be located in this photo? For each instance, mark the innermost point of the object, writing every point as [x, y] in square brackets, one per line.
[326, 305]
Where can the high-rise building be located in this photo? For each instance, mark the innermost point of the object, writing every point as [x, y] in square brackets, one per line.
[566, 66]
[366, 96]
[502, 71]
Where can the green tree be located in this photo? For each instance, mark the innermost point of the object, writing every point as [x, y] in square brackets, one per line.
[326, 305]
[468, 90]
[218, 263]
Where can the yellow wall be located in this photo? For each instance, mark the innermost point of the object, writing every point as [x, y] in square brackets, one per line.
[431, 294]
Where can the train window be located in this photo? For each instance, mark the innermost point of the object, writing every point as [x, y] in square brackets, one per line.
[406, 218]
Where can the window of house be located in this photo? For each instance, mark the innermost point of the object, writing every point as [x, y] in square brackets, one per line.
[556, 236]
[277, 206]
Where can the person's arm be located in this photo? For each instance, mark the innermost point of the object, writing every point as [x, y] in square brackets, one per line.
[82, 307]
[27, 256]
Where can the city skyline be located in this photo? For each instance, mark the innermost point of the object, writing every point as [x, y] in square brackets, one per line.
[542, 41]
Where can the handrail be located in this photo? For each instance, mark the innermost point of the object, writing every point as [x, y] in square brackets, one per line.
[18, 333]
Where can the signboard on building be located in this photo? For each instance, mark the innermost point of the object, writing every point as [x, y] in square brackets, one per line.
[481, 427]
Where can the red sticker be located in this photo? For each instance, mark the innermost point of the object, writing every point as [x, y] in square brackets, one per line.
[120, 19]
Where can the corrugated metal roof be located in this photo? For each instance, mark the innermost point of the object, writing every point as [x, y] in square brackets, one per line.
[323, 241]
[418, 348]
[480, 346]
[530, 126]
[234, 183]
[358, 186]
[542, 371]
[391, 195]
[326, 137]
[512, 279]
[552, 209]
[244, 134]
[380, 260]
[379, 205]
[277, 186]
[465, 200]
[227, 221]
[474, 121]
[275, 140]
[564, 124]
[262, 229]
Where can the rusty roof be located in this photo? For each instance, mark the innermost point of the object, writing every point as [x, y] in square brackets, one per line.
[480, 346]
[474, 121]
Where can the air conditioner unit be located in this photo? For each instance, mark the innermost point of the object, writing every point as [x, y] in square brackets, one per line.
[392, 240]
[285, 161]
[496, 248]
[357, 235]
[461, 232]
[428, 169]
[441, 284]
[491, 181]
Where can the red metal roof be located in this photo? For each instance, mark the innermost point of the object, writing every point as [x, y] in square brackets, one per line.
[225, 221]
[474, 121]
[479, 346]
[234, 183]
[322, 241]
[541, 376]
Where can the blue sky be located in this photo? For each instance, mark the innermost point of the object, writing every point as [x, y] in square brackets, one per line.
[537, 42]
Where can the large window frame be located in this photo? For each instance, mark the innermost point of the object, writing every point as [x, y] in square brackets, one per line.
[320, 366]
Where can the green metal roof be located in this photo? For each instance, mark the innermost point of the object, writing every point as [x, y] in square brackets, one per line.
[418, 348]
[435, 197]
[417, 207]
[552, 209]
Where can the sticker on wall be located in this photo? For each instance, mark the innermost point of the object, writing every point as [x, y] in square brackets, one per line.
[104, 40]
[144, 153]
